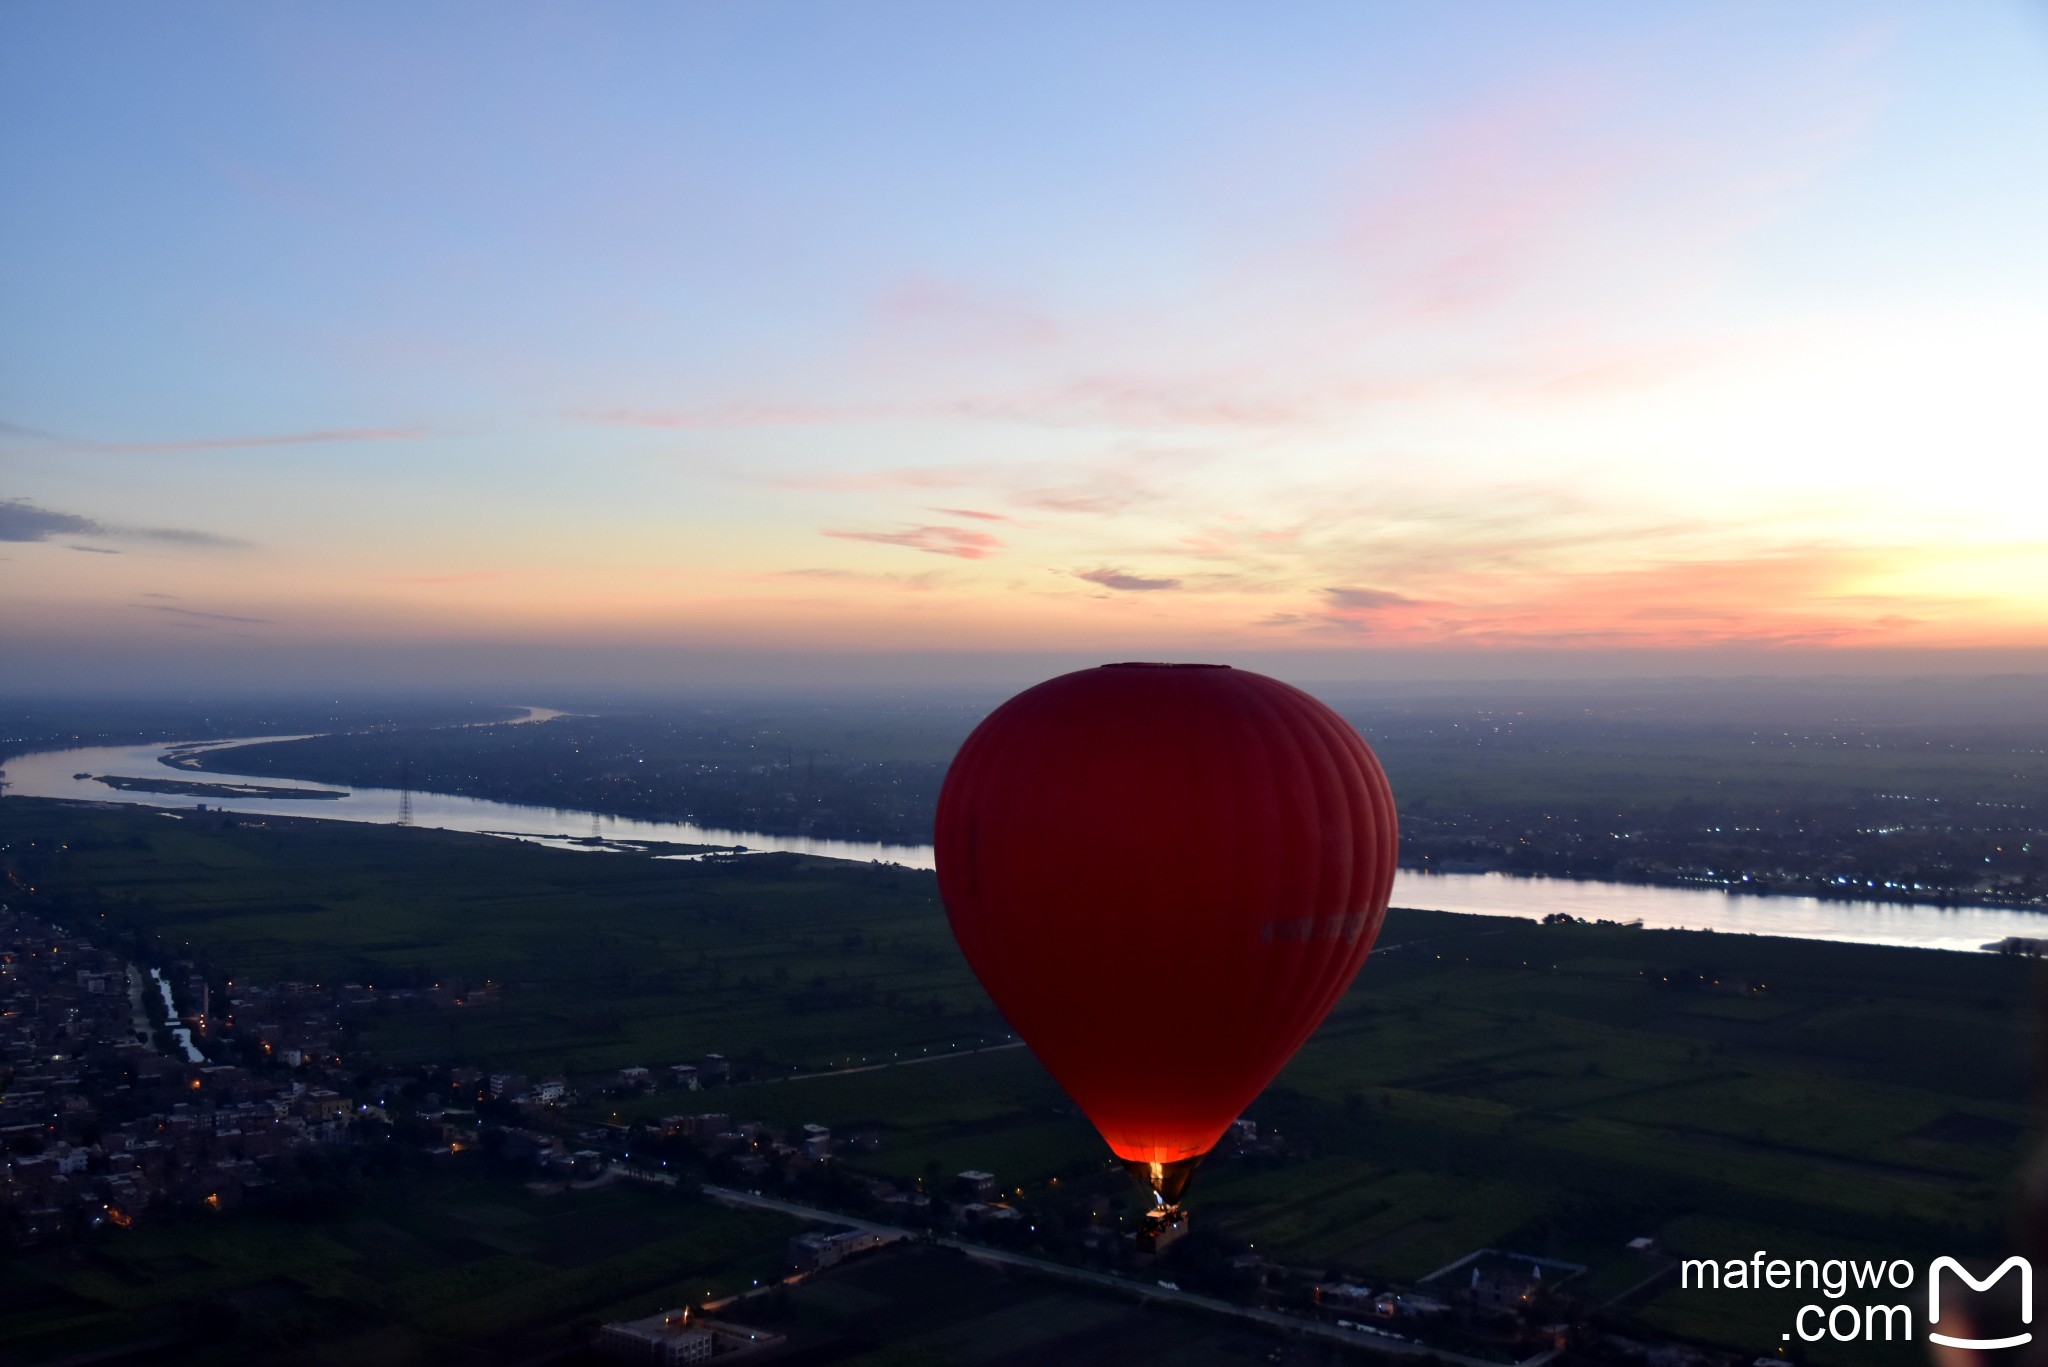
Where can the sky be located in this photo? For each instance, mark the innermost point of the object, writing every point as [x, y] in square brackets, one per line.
[649, 342]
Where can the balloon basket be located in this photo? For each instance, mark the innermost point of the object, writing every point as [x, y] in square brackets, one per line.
[1161, 1228]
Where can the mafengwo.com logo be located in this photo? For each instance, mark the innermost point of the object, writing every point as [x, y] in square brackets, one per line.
[1863, 1301]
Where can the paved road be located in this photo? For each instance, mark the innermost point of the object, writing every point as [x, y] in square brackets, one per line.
[878, 1067]
[1125, 1286]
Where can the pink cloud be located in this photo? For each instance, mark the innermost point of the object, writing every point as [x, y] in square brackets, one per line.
[1111, 482]
[726, 415]
[1528, 226]
[1482, 199]
[902, 478]
[953, 541]
[1787, 598]
[1210, 400]
[955, 314]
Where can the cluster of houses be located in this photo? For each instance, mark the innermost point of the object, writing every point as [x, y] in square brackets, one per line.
[299, 1023]
[557, 1091]
[756, 1147]
[108, 1111]
[111, 1111]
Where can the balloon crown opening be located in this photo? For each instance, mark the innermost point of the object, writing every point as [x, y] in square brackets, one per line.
[1159, 664]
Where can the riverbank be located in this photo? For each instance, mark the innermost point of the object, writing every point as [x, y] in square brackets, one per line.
[1961, 929]
[1857, 828]
[181, 788]
[1728, 906]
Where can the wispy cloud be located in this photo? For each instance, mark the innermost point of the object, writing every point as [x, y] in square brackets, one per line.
[95, 550]
[904, 478]
[1115, 398]
[1505, 252]
[21, 520]
[474, 577]
[182, 536]
[953, 314]
[71, 445]
[1124, 582]
[1368, 600]
[1105, 484]
[1234, 399]
[1794, 596]
[959, 542]
[711, 417]
[822, 575]
[316, 438]
[194, 614]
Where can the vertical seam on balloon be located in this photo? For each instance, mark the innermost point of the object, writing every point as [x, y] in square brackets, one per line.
[1264, 899]
[1335, 801]
[1278, 1003]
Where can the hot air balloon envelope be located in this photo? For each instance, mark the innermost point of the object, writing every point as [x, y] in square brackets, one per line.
[1165, 876]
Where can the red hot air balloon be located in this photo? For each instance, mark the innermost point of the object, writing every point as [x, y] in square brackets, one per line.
[1165, 876]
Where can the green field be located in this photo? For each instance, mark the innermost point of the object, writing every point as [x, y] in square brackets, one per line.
[1545, 1089]
[419, 1269]
[1556, 1090]
[914, 1307]
[604, 960]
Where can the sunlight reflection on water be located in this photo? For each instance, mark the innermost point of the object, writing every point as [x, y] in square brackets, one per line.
[54, 774]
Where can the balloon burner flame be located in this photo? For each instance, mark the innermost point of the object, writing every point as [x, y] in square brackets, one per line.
[1166, 1180]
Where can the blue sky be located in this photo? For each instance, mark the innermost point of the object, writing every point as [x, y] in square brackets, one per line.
[1464, 330]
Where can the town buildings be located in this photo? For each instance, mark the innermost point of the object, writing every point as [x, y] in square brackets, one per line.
[109, 1119]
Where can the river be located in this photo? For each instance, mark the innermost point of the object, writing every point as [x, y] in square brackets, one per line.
[178, 1032]
[54, 774]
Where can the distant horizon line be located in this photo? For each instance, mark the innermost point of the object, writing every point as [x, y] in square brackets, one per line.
[553, 693]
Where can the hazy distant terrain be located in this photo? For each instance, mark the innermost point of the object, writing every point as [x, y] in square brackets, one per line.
[56, 723]
[1789, 792]
[857, 772]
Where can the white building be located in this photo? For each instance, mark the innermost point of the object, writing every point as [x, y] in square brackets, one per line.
[815, 1251]
[663, 1339]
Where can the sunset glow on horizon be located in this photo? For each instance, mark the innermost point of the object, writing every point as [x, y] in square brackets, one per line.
[1128, 330]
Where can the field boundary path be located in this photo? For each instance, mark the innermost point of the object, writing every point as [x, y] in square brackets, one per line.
[1125, 1286]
